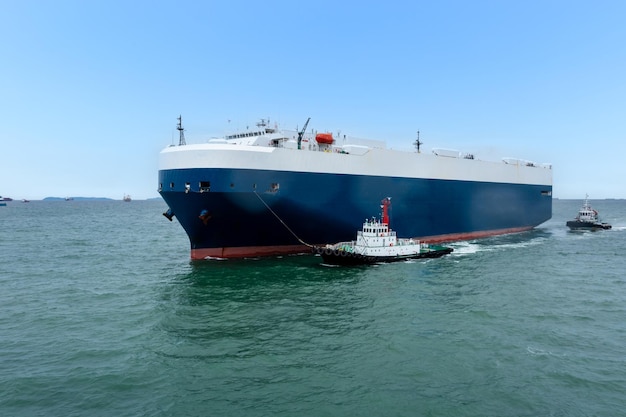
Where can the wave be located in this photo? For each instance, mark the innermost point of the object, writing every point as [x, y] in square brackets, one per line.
[495, 244]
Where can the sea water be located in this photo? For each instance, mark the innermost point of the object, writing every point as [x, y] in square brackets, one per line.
[103, 314]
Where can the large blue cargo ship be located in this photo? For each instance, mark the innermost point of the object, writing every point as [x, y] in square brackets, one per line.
[267, 191]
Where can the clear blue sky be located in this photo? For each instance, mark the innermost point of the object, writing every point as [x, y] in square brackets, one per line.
[90, 90]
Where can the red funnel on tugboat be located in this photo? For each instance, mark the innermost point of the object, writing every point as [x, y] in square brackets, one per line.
[385, 204]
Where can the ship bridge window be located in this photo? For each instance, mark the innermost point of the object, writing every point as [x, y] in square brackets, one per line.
[205, 186]
[171, 185]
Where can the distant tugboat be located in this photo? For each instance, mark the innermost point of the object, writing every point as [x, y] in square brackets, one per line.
[126, 198]
[587, 219]
[375, 243]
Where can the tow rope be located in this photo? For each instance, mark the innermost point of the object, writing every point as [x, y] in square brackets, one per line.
[282, 222]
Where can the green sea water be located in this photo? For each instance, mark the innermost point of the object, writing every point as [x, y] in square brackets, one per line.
[103, 314]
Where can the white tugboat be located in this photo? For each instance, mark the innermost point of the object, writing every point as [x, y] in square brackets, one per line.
[376, 242]
[587, 218]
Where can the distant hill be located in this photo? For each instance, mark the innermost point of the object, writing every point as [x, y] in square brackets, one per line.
[78, 198]
[91, 198]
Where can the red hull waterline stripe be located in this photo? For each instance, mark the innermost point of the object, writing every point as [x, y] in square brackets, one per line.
[247, 251]
[257, 251]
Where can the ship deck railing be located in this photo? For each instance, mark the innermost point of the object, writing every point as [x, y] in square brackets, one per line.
[349, 246]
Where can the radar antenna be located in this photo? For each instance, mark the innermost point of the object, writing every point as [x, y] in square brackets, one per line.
[417, 142]
[181, 140]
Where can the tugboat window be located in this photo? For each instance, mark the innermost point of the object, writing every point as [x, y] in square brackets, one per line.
[171, 185]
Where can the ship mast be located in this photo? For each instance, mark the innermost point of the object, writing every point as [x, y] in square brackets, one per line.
[417, 143]
[181, 140]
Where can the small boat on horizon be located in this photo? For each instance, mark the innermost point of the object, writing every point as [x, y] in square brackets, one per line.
[127, 197]
[587, 218]
[376, 242]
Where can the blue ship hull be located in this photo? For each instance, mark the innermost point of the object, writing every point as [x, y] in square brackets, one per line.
[244, 212]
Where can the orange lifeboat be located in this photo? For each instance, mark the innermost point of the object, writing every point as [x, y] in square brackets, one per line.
[325, 138]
